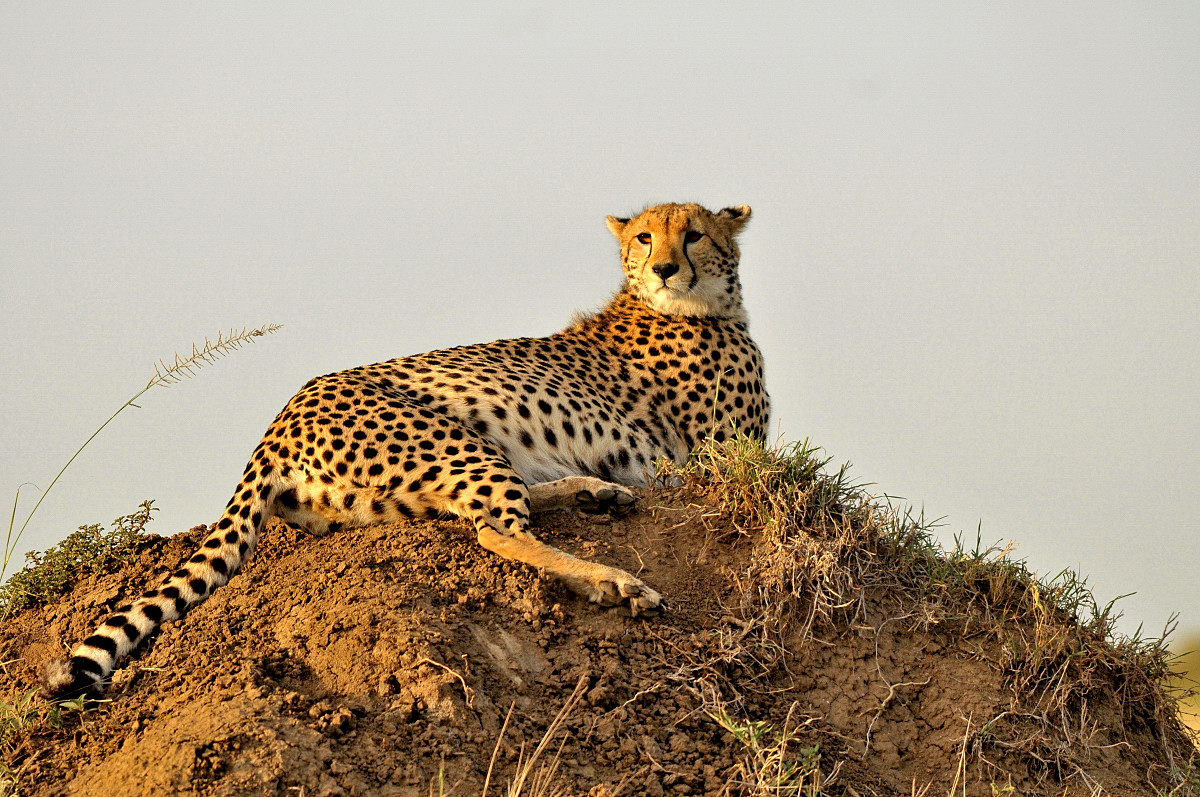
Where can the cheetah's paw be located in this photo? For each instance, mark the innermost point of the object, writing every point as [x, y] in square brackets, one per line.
[627, 592]
[611, 499]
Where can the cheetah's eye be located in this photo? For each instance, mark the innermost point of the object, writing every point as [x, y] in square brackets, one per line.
[644, 237]
[692, 236]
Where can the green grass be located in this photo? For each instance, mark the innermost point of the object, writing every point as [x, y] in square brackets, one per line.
[1186, 780]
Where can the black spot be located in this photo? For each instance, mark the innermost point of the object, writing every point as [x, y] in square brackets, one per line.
[219, 565]
[152, 613]
[109, 646]
[85, 664]
[116, 621]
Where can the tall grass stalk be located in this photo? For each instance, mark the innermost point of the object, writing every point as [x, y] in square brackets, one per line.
[165, 375]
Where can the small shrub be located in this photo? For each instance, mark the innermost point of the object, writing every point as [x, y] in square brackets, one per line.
[48, 575]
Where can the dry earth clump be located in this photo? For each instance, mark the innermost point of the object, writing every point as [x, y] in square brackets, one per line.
[817, 642]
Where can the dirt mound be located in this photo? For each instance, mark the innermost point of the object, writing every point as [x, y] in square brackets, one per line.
[403, 659]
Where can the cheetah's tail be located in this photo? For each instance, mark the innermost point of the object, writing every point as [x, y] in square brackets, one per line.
[223, 553]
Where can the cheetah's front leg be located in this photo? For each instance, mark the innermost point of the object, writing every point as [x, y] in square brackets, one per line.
[599, 583]
[588, 493]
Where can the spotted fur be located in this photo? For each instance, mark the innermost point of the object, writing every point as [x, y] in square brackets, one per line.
[496, 432]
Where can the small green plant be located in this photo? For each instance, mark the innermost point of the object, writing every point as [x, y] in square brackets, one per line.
[1185, 781]
[88, 550]
[8, 781]
[768, 768]
[165, 375]
[17, 717]
[27, 714]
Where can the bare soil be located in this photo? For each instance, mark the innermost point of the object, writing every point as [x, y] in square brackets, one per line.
[385, 660]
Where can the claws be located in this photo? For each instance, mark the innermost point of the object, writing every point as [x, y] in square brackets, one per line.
[632, 595]
[605, 500]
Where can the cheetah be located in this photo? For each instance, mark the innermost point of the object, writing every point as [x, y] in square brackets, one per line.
[496, 432]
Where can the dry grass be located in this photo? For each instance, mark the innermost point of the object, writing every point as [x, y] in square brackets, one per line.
[535, 777]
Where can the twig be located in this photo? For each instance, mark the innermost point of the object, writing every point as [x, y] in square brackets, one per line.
[468, 692]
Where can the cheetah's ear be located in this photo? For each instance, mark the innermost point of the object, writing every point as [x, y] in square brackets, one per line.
[617, 225]
[736, 215]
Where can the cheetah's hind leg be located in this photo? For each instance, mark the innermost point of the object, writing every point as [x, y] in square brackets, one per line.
[587, 493]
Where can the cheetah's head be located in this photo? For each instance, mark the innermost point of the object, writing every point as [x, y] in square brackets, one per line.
[683, 259]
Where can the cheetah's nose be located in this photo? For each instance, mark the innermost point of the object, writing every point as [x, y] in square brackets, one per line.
[664, 270]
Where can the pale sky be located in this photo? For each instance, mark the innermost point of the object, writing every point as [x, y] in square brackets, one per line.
[972, 268]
